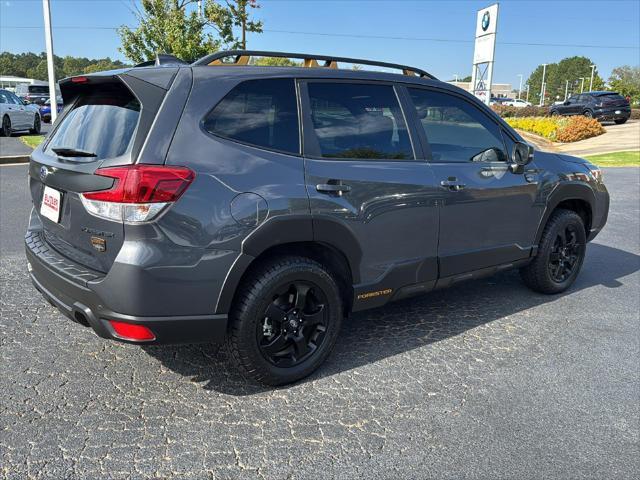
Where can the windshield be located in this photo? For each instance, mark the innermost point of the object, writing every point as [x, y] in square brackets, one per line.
[102, 123]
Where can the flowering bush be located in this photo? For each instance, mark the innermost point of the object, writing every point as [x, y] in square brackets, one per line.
[579, 128]
[559, 129]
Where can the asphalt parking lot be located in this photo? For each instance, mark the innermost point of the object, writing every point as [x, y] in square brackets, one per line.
[13, 146]
[485, 380]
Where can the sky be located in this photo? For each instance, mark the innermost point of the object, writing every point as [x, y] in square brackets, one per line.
[436, 36]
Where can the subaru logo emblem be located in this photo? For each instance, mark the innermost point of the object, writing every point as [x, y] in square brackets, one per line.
[44, 171]
[485, 21]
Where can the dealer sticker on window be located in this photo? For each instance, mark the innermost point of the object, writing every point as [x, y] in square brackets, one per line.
[50, 207]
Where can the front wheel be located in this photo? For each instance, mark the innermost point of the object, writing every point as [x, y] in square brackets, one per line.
[560, 254]
[588, 113]
[620, 121]
[285, 320]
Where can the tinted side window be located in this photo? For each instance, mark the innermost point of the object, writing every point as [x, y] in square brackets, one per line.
[259, 112]
[456, 130]
[358, 121]
[4, 97]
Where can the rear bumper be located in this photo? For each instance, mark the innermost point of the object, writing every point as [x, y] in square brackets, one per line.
[80, 303]
[614, 113]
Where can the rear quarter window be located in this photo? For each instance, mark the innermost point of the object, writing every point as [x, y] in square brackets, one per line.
[261, 113]
[101, 121]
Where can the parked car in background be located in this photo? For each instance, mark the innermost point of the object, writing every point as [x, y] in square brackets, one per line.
[37, 94]
[599, 105]
[518, 103]
[45, 110]
[499, 100]
[16, 116]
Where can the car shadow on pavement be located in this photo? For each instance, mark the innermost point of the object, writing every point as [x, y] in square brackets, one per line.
[369, 336]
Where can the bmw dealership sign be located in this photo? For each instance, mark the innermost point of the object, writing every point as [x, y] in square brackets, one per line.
[483, 53]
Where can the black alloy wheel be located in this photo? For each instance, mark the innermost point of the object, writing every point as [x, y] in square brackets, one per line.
[294, 324]
[284, 320]
[565, 254]
[561, 252]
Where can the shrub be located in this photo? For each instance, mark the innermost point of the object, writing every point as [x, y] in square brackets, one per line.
[579, 128]
[560, 129]
[635, 114]
[510, 112]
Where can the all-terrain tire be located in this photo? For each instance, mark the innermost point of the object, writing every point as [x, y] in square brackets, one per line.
[255, 295]
[539, 274]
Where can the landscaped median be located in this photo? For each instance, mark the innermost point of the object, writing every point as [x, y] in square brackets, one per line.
[559, 129]
[616, 159]
[32, 140]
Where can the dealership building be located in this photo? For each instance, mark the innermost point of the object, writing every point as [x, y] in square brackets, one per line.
[499, 90]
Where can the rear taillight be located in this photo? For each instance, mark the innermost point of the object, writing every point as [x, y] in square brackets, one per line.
[139, 192]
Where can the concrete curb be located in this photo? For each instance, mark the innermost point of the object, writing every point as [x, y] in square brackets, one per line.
[14, 159]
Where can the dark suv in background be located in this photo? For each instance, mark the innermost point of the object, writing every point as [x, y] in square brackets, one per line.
[599, 105]
[259, 206]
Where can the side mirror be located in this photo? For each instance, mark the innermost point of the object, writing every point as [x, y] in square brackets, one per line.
[522, 155]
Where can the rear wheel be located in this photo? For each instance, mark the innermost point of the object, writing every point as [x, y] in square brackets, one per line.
[588, 113]
[554, 113]
[6, 126]
[37, 126]
[560, 254]
[285, 321]
[620, 121]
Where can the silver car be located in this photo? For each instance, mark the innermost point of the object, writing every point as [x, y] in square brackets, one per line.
[16, 115]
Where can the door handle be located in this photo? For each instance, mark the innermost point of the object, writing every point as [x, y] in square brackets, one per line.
[452, 184]
[338, 188]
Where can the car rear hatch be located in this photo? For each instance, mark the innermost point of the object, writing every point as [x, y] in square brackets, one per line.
[106, 124]
[611, 100]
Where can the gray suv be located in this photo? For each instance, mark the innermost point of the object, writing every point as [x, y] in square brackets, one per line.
[221, 201]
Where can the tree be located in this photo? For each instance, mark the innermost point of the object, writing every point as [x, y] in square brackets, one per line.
[31, 65]
[174, 27]
[557, 74]
[233, 13]
[626, 81]
[165, 26]
[275, 62]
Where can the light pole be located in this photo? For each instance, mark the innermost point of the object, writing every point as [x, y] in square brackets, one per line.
[582, 84]
[566, 90]
[542, 90]
[48, 38]
[527, 92]
[520, 87]
[593, 69]
[455, 77]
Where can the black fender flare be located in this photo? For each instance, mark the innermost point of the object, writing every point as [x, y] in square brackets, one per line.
[566, 191]
[289, 229]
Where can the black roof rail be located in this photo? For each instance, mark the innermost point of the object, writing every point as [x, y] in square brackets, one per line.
[242, 57]
[163, 59]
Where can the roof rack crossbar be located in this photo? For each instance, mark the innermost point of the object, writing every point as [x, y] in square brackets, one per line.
[242, 57]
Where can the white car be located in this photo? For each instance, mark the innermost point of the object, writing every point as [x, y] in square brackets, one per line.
[15, 115]
[518, 103]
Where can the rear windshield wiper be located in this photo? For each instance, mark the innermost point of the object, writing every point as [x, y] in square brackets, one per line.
[72, 152]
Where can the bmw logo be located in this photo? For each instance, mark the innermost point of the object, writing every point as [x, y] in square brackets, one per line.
[486, 18]
[44, 171]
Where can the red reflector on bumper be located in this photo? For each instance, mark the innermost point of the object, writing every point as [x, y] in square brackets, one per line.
[130, 331]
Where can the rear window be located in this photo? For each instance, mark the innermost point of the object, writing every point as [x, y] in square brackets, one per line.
[101, 122]
[39, 89]
[259, 112]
